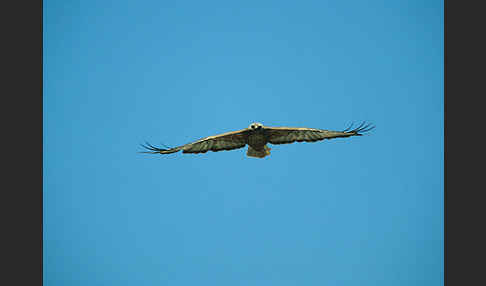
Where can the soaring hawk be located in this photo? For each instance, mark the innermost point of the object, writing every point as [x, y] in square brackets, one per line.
[257, 136]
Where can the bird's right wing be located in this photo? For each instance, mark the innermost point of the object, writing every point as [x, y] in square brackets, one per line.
[226, 141]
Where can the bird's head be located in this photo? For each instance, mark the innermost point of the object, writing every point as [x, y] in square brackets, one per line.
[255, 126]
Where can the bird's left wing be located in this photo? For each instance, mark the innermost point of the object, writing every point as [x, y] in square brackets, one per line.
[226, 141]
[284, 135]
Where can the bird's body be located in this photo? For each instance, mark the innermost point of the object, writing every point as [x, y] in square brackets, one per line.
[257, 142]
[257, 136]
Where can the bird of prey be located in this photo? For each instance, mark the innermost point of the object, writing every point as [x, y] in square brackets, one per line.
[257, 136]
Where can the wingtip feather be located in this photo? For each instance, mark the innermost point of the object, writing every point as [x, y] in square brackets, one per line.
[362, 128]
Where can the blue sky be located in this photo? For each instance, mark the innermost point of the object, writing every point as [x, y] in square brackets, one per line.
[351, 211]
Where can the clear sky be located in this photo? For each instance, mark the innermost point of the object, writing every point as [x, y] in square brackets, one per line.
[350, 211]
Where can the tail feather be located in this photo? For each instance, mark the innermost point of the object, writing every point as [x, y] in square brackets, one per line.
[258, 154]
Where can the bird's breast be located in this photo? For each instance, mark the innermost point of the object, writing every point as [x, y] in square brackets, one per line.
[257, 140]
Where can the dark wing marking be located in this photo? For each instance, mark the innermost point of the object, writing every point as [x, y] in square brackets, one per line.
[284, 135]
[226, 141]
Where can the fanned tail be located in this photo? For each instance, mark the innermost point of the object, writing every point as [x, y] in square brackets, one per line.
[258, 154]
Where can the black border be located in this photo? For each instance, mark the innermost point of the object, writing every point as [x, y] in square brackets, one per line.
[21, 136]
[463, 163]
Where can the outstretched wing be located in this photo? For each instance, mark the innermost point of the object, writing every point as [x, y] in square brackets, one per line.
[225, 141]
[284, 135]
